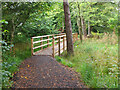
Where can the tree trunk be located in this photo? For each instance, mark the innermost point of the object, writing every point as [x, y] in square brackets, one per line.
[12, 31]
[89, 31]
[83, 27]
[79, 23]
[63, 26]
[68, 27]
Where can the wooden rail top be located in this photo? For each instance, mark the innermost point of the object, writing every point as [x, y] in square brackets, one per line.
[59, 36]
[42, 41]
[41, 36]
[47, 35]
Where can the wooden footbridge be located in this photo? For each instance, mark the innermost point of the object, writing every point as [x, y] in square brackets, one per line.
[50, 45]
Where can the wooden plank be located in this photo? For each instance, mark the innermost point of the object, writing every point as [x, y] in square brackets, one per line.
[61, 40]
[59, 46]
[61, 49]
[53, 47]
[48, 41]
[56, 52]
[56, 41]
[63, 43]
[42, 41]
[42, 45]
[31, 46]
[59, 36]
[47, 35]
[41, 36]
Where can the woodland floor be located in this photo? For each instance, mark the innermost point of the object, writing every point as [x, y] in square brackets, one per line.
[45, 72]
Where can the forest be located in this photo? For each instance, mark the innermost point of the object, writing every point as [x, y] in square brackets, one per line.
[94, 55]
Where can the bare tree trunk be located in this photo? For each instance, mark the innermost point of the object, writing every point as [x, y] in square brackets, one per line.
[63, 26]
[12, 32]
[79, 23]
[79, 29]
[68, 27]
[83, 27]
[89, 31]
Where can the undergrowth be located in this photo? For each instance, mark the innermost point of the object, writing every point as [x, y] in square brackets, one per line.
[97, 61]
[64, 62]
[12, 56]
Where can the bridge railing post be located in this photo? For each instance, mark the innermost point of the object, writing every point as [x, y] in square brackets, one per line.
[63, 43]
[41, 42]
[59, 46]
[31, 46]
[48, 41]
[53, 54]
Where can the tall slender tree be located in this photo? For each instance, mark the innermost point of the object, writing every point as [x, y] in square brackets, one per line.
[68, 27]
[89, 31]
[79, 22]
[83, 27]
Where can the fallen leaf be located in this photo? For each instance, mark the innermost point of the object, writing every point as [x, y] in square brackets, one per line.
[28, 65]
[25, 77]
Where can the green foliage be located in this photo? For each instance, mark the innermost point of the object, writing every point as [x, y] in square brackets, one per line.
[97, 61]
[42, 23]
[64, 62]
[12, 59]
[20, 38]
[17, 14]
[101, 15]
[97, 35]
[6, 74]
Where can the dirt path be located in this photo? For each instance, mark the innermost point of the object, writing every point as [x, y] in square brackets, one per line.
[45, 72]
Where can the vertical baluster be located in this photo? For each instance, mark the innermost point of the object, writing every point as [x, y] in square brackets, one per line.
[59, 46]
[63, 43]
[41, 42]
[48, 41]
[53, 47]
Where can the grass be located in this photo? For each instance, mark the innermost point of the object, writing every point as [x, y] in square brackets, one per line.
[64, 62]
[97, 61]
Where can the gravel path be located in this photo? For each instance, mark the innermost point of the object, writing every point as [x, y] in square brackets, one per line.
[45, 72]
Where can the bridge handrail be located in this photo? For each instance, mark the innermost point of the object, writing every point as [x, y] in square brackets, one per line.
[60, 38]
[46, 35]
